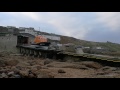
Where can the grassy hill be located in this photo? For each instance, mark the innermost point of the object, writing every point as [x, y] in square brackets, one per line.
[114, 48]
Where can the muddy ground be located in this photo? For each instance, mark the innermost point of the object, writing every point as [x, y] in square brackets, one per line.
[18, 66]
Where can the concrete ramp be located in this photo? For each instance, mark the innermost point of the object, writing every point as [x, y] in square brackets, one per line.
[79, 51]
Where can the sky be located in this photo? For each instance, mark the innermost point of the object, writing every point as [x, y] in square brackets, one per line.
[90, 26]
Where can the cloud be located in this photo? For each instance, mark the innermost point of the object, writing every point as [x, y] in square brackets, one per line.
[103, 36]
[26, 15]
[70, 24]
[64, 23]
[109, 19]
[96, 26]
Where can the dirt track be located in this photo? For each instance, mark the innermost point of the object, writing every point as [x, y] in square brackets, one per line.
[17, 66]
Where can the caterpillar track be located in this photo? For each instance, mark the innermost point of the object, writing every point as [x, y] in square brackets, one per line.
[63, 56]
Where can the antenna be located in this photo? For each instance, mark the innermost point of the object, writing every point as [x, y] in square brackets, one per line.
[39, 28]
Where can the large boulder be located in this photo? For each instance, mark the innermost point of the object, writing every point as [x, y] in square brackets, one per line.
[61, 71]
[17, 76]
[44, 75]
[10, 74]
[92, 64]
[36, 67]
[24, 74]
[3, 75]
[15, 70]
[32, 75]
[12, 62]
[108, 68]
[47, 62]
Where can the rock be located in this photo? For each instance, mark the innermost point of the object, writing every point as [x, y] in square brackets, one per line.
[23, 64]
[28, 67]
[17, 76]
[103, 72]
[11, 77]
[100, 73]
[19, 67]
[3, 71]
[24, 74]
[9, 67]
[83, 67]
[4, 75]
[2, 63]
[12, 62]
[51, 76]
[44, 67]
[117, 72]
[32, 76]
[91, 64]
[61, 71]
[16, 71]
[70, 61]
[31, 63]
[50, 66]
[44, 75]
[107, 68]
[38, 67]
[0, 68]
[0, 76]
[10, 74]
[1, 55]
[33, 71]
[47, 62]
[76, 67]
